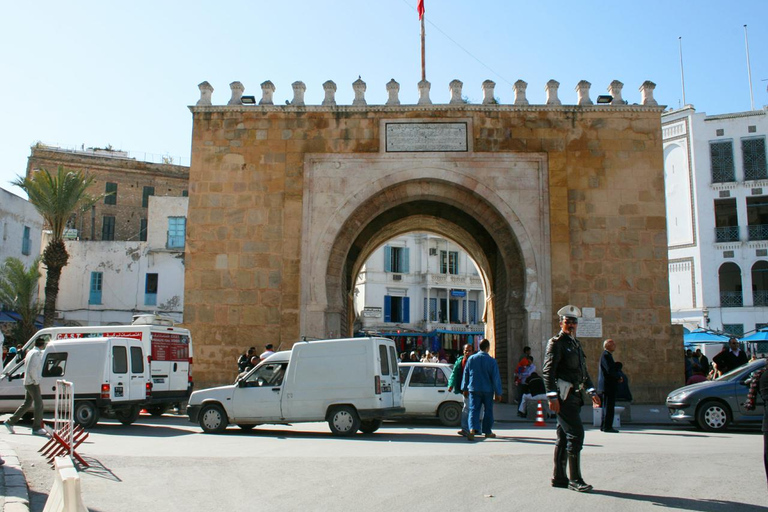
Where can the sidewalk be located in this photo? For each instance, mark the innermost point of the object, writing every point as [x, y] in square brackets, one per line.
[654, 415]
[14, 496]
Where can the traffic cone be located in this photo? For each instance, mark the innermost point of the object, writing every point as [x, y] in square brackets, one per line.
[539, 417]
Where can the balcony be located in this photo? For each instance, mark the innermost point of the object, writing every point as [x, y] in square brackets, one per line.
[757, 232]
[727, 234]
[760, 297]
[731, 300]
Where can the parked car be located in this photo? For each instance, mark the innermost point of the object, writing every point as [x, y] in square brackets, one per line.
[426, 395]
[714, 405]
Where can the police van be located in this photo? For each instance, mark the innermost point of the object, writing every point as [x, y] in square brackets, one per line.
[168, 350]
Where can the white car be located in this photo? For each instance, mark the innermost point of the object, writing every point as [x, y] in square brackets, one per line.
[425, 392]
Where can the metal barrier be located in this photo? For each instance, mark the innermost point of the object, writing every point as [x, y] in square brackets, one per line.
[66, 436]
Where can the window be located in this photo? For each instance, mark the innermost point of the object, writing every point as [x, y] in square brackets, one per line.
[404, 374]
[267, 375]
[111, 193]
[96, 286]
[760, 283]
[432, 309]
[473, 311]
[753, 154]
[449, 262]
[734, 329]
[55, 364]
[137, 360]
[119, 360]
[108, 228]
[396, 259]
[150, 290]
[730, 286]
[397, 309]
[143, 230]
[177, 227]
[26, 243]
[757, 218]
[383, 358]
[721, 156]
[423, 377]
[148, 191]
[726, 221]
[185, 193]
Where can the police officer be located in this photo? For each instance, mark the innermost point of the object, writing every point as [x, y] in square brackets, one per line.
[565, 376]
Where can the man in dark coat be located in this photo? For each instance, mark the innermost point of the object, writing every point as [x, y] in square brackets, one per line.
[730, 358]
[565, 375]
[607, 385]
[759, 385]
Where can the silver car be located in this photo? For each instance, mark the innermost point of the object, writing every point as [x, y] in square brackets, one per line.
[713, 405]
[425, 392]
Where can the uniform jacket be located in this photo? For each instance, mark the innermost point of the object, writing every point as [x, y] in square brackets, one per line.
[607, 375]
[481, 374]
[565, 360]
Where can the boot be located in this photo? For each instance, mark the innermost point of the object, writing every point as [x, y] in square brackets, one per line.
[575, 482]
[559, 478]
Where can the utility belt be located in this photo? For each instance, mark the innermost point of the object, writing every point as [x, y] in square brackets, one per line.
[564, 389]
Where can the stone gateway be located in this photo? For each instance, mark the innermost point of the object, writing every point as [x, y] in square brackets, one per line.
[556, 204]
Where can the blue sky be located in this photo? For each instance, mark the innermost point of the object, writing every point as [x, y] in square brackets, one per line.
[122, 74]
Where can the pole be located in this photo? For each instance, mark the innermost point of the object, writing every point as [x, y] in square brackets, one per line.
[423, 67]
[749, 71]
[682, 72]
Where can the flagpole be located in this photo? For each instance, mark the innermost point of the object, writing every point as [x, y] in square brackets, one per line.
[423, 67]
[749, 69]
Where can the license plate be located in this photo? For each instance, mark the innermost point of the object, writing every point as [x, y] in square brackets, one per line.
[118, 391]
[158, 381]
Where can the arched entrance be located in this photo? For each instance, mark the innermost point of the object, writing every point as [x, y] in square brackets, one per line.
[450, 204]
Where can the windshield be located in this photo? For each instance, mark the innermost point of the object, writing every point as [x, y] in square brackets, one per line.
[733, 374]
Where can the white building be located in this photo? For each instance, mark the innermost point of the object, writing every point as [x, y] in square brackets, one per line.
[420, 284]
[107, 282]
[21, 228]
[717, 218]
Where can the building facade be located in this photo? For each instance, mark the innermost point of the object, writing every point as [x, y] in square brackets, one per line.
[123, 213]
[21, 229]
[419, 284]
[107, 282]
[717, 218]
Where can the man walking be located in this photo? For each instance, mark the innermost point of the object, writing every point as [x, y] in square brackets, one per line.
[454, 384]
[481, 383]
[33, 371]
[608, 384]
[565, 375]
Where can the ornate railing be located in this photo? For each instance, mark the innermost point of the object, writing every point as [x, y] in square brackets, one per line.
[758, 231]
[731, 300]
[727, 234]
[760, 297]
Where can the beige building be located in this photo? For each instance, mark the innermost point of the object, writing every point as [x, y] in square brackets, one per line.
[556, 204]
[122, 215]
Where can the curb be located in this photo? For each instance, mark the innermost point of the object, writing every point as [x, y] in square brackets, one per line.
[13, 484]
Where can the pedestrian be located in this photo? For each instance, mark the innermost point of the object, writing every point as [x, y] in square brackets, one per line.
[33, 370]
[454, 384]
[244, 359]
[623, 393]
[268, 351]
[481, 383]
[760, 385]
[536, 391]
[730, 358]
[565, 377]
[703, 361]
[607, 385]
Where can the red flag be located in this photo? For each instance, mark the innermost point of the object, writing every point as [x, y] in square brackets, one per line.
[420, 8]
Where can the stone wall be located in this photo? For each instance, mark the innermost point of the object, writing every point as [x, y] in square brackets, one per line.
[131, 177]
[606, 221]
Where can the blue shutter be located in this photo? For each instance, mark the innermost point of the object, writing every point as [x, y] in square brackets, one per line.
[425, 309]
[387, 308]
[406, 310]
[406, 260]
[96, 286]
[433, 310]
[387, 259]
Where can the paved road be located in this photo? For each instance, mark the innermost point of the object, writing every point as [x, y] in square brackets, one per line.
[168, 464]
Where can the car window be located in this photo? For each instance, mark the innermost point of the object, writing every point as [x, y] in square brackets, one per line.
[425, 376]
[119, 359]
[441, 379]
[55, 364]
[383, 359]
[404, 374]
[734, 374]
[270, 374]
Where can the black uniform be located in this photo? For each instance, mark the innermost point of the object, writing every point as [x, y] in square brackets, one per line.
[565, 360]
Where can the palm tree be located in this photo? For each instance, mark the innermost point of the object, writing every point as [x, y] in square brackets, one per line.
[18, 291]
[56, 198]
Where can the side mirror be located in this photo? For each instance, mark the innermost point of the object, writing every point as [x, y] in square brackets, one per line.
[240, 383]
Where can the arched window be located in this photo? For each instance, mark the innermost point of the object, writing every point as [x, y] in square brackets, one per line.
[730, 286]
[760, 283]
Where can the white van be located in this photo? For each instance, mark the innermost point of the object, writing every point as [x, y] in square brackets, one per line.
[350, 383]
[109, 375]
[168, 348]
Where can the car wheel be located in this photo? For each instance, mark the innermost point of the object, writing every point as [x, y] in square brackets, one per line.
[86, 414]
[343, 420]
[713, 416]
[369, 426]
[213, 419]
[127, 415]
[158, 410]
[245, 427]
[450, 414]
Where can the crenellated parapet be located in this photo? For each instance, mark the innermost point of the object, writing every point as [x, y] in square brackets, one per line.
[582, 98]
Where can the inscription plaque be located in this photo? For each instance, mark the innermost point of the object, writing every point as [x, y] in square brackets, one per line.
[422, 137]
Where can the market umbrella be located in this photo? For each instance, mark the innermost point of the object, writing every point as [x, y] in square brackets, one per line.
[760, 335]
[700, 335]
